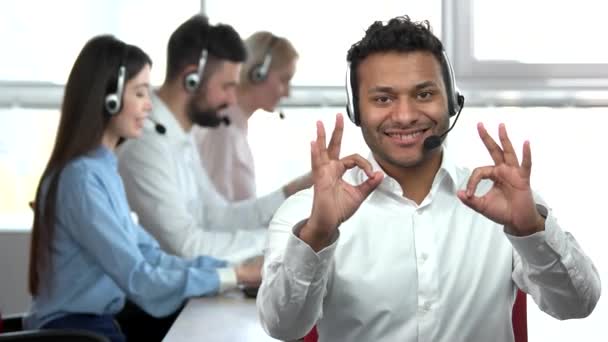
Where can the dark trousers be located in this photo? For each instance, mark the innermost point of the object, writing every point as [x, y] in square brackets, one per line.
[137, 325]
[100, 324]
[131, 324]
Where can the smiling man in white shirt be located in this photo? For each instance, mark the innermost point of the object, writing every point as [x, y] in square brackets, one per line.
[165, 183]
[406, 245]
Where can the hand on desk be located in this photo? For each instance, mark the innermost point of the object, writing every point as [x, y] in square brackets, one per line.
[249, 273]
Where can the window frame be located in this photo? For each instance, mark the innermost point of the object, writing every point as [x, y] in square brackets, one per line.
[506, 83]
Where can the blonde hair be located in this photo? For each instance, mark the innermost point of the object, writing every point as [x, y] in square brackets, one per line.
[258, 44]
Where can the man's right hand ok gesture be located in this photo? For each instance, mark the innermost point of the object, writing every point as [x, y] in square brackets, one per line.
[334, 199]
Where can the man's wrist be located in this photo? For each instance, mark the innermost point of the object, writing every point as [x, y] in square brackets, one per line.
[539, 226]
[315, 238]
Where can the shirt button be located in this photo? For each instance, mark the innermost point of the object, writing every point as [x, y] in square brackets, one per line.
[426, 307]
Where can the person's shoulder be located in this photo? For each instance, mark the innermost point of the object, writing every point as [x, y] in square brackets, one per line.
[81, 173]
[150, 142]
[82, 166]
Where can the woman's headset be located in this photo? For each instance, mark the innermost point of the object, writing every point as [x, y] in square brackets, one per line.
[113, 101]
[259, 72]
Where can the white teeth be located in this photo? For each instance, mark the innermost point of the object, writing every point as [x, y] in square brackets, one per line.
[405, 136]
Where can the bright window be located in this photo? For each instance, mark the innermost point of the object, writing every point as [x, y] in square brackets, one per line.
[39, 49]
[560, 36]
[542, 43]
[40, 39]
[26, 140]
[322, 31]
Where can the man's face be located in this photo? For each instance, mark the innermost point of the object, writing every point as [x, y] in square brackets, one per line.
[402, 101]
[214, 94]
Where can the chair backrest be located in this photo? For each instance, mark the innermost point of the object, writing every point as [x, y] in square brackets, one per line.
[52, 335]
[11, 323]
[519, 318]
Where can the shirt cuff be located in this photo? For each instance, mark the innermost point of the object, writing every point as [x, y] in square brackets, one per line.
[541, 248]
[303, 261]
[228, 279]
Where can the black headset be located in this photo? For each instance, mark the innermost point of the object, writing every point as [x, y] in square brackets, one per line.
[193, 79]
[113, 101]
[455, 99]
[259, 72]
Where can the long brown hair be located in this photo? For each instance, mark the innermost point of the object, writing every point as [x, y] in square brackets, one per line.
[81, 127]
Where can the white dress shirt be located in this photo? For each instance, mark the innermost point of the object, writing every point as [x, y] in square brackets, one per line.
[399, 271]
[177, 203]
[226, 155]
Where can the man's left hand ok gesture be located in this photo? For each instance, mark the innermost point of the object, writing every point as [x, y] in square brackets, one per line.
[509, 201]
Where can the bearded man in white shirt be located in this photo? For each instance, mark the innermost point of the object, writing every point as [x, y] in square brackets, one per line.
[405, 245]
[265, 78]
[165, 183]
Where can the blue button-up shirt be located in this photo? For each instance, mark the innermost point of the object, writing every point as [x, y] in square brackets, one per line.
[100, 256]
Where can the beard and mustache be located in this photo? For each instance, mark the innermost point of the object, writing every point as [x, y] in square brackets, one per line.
[207, 117]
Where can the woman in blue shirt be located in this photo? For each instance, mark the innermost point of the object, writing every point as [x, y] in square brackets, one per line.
[87, 254]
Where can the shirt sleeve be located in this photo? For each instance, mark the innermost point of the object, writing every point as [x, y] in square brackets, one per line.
[152, 183]
[552, 268]
[156, 257]
[295, 278]
[93, 222]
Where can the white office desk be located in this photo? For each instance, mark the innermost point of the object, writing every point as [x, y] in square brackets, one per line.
[230, 317]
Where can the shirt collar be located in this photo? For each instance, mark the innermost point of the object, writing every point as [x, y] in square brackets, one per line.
[237, 116]
[446, 176]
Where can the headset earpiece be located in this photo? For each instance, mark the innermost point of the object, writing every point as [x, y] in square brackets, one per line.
[191, 82]
[350, 97]
[113, 101]
[259, 72]
[193, 79]
[455, 99]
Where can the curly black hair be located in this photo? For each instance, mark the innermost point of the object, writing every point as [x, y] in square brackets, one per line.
[400, 34]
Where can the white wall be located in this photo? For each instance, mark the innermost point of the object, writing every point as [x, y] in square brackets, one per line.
[14, 256]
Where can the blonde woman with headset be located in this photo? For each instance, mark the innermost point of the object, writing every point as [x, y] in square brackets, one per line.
[264, 80]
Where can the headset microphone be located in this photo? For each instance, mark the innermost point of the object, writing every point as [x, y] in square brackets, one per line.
[281, 115]
[225, 120]
[160, 129]
[434, 141]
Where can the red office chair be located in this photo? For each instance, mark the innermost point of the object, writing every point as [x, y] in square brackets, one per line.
[519, 318]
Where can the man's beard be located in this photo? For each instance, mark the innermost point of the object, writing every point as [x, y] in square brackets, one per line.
[207, 117]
